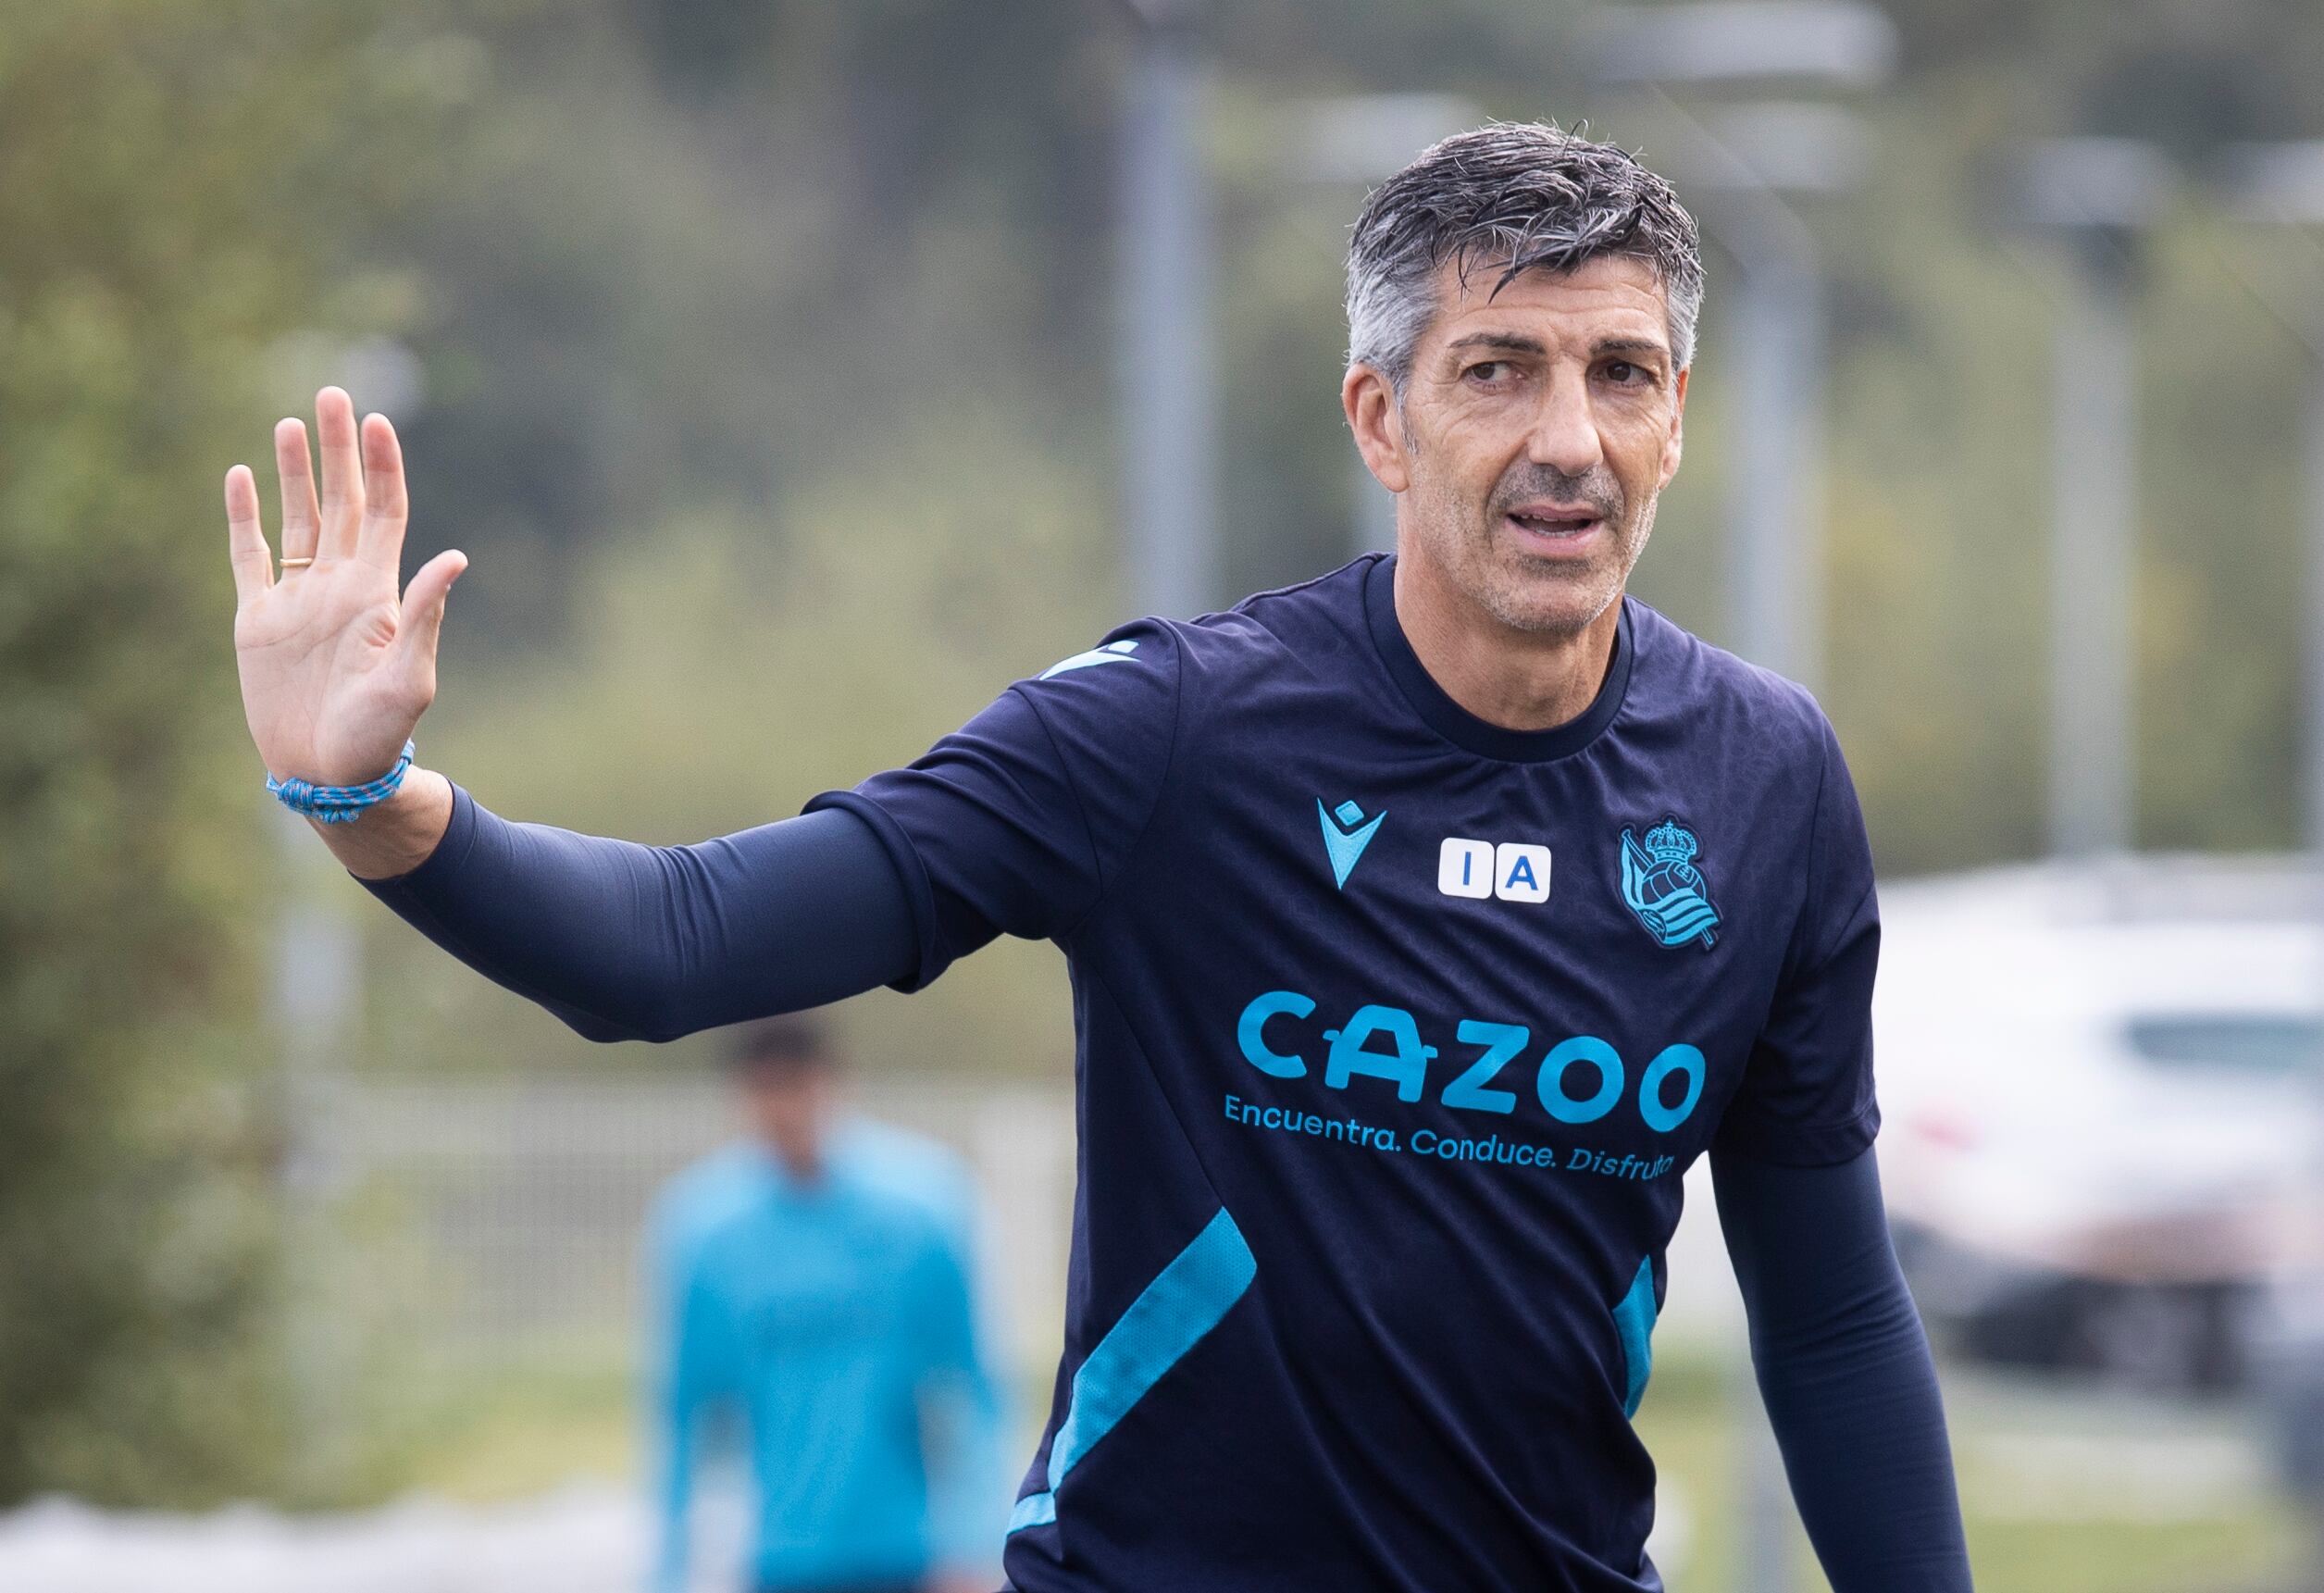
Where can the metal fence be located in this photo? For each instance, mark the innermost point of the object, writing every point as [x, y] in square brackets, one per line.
[449, 1220]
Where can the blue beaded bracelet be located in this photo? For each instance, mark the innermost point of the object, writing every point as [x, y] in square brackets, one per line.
[337, 804]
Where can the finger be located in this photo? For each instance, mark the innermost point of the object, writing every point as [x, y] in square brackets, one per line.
[245, 538]
[380, 539]
[343, 473]
[423, 619]
[295, 470]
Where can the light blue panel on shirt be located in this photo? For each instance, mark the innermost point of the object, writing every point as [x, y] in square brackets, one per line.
[1033, 1509]
[1634, 1319]
[1185, 1301]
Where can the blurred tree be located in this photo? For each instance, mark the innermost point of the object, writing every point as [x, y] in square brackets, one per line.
[702, 256]
[727, 677]
[173, 174]
[704, 43]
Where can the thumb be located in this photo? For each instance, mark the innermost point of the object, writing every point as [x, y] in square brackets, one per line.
[424, 599]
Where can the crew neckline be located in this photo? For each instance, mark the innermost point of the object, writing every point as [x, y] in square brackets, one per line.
[1456, 724]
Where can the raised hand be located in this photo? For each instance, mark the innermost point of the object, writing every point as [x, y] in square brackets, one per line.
[335, 670]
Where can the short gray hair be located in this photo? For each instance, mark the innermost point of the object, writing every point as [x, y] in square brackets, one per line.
[1518, 196]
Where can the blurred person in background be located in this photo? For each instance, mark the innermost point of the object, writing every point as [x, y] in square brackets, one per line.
[814, 1287]
[1381, 1145]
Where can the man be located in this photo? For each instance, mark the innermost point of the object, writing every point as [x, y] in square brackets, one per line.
[1425, 922]
[814, 1282]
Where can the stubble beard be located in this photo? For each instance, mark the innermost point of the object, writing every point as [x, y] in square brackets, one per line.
[1526, 591]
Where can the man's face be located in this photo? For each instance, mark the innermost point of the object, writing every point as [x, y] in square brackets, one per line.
[1539, 427]
[788, 1108]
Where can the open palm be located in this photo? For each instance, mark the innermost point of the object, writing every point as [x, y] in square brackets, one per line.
[336, 670]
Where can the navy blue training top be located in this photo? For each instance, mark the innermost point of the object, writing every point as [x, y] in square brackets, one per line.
[1396, 1031]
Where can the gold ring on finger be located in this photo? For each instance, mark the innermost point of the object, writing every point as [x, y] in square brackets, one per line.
[297, 564]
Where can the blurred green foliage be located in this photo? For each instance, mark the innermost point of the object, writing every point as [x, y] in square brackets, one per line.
[173, 178]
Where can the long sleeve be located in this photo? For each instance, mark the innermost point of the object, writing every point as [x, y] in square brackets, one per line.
[624, 941]
[1017, 823]
[1845, 1369]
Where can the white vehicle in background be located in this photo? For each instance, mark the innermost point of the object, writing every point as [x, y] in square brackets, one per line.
[2104, 1091]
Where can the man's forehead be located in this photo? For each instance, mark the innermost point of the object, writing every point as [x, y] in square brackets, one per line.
[1611, 295]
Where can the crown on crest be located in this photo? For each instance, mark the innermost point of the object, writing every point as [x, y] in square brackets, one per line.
[1672, 842]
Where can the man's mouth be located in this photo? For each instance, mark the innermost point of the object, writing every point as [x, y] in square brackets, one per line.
[1555, 522]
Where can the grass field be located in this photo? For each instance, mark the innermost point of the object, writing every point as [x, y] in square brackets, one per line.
[2079, 1491]
[2066, 1491]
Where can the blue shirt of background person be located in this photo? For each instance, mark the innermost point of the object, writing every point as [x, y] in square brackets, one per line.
[812, 1285]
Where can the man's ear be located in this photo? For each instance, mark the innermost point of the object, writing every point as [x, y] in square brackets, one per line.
[1377, 423]
[1678, 425]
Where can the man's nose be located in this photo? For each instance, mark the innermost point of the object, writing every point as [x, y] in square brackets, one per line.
[1564, 434]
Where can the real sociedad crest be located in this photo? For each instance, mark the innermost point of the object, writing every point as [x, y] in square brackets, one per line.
[1664, 888]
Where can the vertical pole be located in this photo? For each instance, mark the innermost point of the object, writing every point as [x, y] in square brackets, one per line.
[1809, 557]
[2312, 761]
[1765, 1532]
[1167, 377]
[2093, 506]
[1775, 551]
[2296, 1395]
[318, 974]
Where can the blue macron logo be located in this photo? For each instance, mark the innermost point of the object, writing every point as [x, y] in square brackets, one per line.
[1662, 886]
[1346, 833]
[1112, 653]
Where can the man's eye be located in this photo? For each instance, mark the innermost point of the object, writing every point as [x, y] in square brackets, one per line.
[1623, 372]
[1488, 370]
